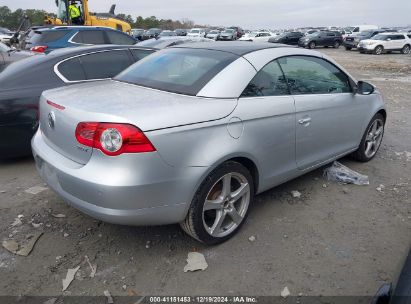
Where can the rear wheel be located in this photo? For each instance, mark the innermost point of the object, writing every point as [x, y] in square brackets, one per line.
[337, 45]
[371, 140]
[312, 45]
[220, 205]
[405, 49]
[378, 50]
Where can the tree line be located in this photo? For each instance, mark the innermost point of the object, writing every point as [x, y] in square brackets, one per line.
[11, 20]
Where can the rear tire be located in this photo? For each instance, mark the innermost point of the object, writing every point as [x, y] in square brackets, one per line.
[337, 45]
[406, 49]
[216, 214]
[312, 45]
[379, 50]
[371, 140]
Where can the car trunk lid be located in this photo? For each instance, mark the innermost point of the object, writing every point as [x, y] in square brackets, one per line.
[112, 101]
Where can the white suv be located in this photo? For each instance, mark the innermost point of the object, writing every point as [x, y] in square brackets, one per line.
[386, 42]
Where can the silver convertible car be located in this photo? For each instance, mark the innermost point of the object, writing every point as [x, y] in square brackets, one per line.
[191, 133]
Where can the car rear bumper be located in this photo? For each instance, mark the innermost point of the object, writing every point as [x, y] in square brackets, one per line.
[350, 44]
[131, 189]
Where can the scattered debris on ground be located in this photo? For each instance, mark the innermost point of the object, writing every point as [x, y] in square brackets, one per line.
[59, 215]
[296, 194]
[24, 246]
[342, 174]
[108, 296]
[69, 277]
[252, 238]
[380, 188]
[195, 261]
[93, 268]
[285, 292]
[36, 190]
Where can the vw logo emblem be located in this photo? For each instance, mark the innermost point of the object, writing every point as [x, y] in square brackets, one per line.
[51, 119]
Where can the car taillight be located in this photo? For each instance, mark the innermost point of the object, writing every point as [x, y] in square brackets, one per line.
[113, 138]
[39, 48]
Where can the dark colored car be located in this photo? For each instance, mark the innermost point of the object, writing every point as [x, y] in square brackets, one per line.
[322, 38]
[181, 32]
[152, 33]
[290, 38]
[9, 55]
[239, 31]
[401, 293]
[137, 34]
[46, 40]
[351, 42]
[22, 83]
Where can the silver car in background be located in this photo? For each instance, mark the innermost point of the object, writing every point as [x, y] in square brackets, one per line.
[190, 134]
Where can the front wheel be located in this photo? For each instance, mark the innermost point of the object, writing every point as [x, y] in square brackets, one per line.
[220, 205]
[347, 48]
[371, 140]
[378, 50]
[311, 45]
[337, 45]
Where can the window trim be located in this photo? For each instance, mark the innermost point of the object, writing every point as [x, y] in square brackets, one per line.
[351, 82]
[65, 80]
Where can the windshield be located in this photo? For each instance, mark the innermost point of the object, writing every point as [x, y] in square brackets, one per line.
[178, 70]
[366, 33]
[195, 31]
[228, 31]
[62, 10]
[214, 32]
[4, 48]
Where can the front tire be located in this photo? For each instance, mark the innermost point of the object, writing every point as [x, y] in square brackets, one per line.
[378, 50]
[312, 45]
[337, 45]
[221, 204]
[371, 140]
[347, 48]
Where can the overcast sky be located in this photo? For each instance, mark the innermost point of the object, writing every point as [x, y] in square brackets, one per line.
[254, 13]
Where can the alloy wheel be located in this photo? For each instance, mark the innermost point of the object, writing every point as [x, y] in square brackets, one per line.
[406, 49]
[378, 50]
[226, 204]
[374, 138]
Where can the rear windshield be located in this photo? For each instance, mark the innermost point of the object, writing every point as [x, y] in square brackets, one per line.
[46, 36]
[185, 71]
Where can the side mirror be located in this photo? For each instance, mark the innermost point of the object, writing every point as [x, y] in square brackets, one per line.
[364, 88]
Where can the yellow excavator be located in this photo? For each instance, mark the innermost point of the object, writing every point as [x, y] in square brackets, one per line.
[88, 19]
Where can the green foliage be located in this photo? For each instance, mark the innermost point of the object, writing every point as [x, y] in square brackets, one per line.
[11, 20]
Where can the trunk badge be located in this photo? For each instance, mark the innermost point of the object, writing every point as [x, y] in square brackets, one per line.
[51, 119]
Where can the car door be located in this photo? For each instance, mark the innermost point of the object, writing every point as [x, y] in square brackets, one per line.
[267, 110]
[329, 117]
[329, 39]
[399, 41]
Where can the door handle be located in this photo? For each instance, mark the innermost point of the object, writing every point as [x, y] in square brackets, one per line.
[304, 121]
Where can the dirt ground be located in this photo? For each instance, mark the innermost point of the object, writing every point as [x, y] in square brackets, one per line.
[334, 240]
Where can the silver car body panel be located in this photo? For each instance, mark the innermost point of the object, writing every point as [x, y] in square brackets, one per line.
[192, 135]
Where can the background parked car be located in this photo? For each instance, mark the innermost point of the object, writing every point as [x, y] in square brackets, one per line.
[46, 40]
[386, 42]
[9, 55]
[290, 38]
[228, 34]
[22, 83]
[323, 38]
[213, 34]
[351, 42]
[163, 42]
[137, 34]
[152, 33]
[181, 32]
[196, 32]
[364, 27]
[167, 33]
[257, 36]
[239, 31]
[5, 35]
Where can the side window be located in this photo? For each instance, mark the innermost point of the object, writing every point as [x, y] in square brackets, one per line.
[105, 64]
[269, 81]
[311, 75]
[331, 34]
[120, 38]
[72, 70]
[90, 37]
[139, 54]
[356, 30]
